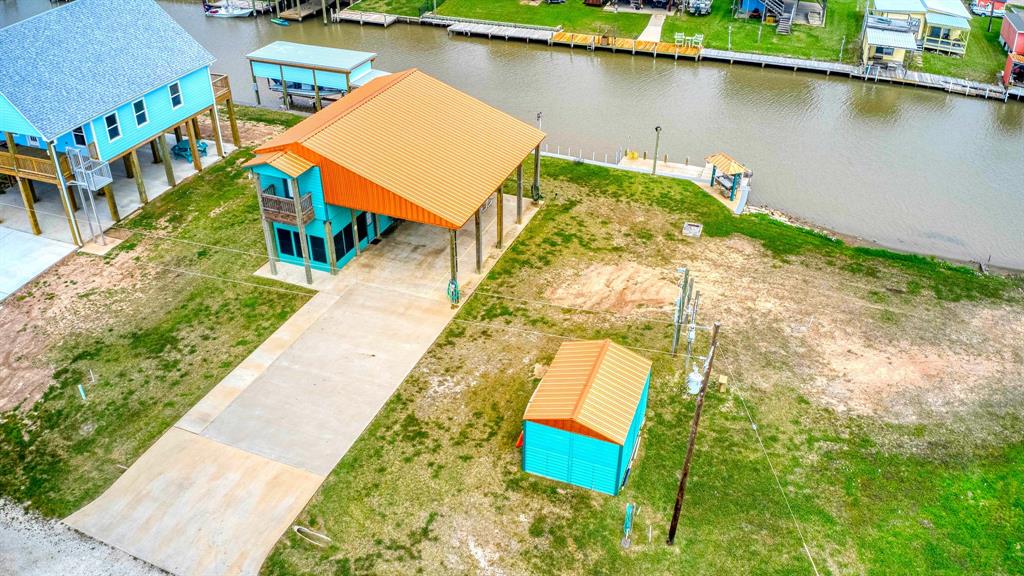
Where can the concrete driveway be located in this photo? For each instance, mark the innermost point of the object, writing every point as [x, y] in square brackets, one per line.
[214, 494]
[23, 256]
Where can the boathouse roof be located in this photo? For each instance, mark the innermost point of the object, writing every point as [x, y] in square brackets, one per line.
[409, 146]
[309, 56]
[948, 7]
[72, 63]
[591, 387]
[911, 6]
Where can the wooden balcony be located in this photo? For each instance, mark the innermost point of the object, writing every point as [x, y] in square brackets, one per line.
[221, 87]
[33, 163]
[279, 209]
[944, 45]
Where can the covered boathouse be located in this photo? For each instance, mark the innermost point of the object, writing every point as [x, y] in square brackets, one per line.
[405, 146]
[85, 120]
[582, 425]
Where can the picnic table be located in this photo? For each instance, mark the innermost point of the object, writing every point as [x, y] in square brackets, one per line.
[184, 151]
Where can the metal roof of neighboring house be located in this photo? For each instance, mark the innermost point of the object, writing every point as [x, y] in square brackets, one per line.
[416, 138]
[72, 63]
[596, 384]
[948, 7]
[364, 78]
[1016, 19]
[320, 57]
[891, 39]
[899, 6]
[726, 164]
[947, 21]
[288, 162]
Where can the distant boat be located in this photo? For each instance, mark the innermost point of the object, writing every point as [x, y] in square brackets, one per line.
[228, 9]
[279, 21]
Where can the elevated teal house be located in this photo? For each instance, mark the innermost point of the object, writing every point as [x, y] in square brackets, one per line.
[315, 72]
[70, 108]
[582, 425]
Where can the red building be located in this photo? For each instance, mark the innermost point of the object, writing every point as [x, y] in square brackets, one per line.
[1011, 35]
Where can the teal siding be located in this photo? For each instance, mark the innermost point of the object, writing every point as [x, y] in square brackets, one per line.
[340, 217]
[572, 458]
[12, 121]
[582, 460]
[197, 95]
[301, 75]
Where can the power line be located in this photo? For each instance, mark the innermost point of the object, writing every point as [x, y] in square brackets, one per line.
[778, 482]
[192, 242]
[223, 279]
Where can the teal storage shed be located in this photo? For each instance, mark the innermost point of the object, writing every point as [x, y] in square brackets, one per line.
[582, 424]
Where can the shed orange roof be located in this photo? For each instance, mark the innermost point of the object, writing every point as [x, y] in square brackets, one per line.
[408, 143]
[592, 387]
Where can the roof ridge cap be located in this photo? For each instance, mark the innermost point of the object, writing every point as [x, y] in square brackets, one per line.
[605, 344]
[395, 79]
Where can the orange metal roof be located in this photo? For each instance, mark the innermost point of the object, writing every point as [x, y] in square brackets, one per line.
[592, 387]
[287, 162]
[411, 136]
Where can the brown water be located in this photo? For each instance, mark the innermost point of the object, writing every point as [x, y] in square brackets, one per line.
[912, 169]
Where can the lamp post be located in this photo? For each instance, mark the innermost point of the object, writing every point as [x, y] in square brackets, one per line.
[657, 140]
[540, 120]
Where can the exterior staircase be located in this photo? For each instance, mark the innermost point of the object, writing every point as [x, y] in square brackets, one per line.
[786, 20]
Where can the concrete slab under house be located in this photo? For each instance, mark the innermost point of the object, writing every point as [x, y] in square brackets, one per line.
[582, 425]
[405, 147]
[91, 134]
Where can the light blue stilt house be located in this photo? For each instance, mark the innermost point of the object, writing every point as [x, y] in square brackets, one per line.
[582, 425]
[317, 73]
[70, 108]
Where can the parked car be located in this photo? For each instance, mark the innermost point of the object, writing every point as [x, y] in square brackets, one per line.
[984, 10]
[699, 7]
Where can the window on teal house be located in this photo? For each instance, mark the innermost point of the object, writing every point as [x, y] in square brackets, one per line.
[288, 243]
[175, 90]
[343, 243]
[318, 249]
[141, 116]
[78, 135]
[113, 126]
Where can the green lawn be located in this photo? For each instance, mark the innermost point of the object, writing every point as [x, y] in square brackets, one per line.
[185, 315]
[573, 16]
[844, 19]
[984, 58]
[401, 7]
[434, 485]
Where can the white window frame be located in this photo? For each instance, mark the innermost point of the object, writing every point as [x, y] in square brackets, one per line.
[117, 123]
[145, 113]
[74, 136]
[181, 97]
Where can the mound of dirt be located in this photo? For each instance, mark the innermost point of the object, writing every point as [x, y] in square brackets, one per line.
[621, 288]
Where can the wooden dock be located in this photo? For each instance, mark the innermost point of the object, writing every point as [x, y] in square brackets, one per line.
[765, 60]
[361, 18]
[628, 45]
[499, 31]
[304, 9]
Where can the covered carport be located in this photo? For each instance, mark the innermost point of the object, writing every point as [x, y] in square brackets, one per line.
[402, 147]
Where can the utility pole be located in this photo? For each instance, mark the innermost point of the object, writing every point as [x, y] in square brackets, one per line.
[540, 120]
[657, 140]
[691, 332]
[678, 508]
[991, 13]
[681, 305]
[842, 48]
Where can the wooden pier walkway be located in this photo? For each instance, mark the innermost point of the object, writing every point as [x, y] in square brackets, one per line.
[629, 45]
[377, 18]
[779, 62]
[302, 10]
[499, 31]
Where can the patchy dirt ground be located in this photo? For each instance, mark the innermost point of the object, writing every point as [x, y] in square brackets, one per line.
[31, 545]
[866, 352]
[250, 133]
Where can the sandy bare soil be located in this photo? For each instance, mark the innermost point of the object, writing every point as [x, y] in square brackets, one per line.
[862, 352]
[31, 545]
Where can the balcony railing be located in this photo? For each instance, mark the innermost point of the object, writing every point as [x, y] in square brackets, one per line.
[221, 86]
[944, 45]
[279, 209]
[33, 164]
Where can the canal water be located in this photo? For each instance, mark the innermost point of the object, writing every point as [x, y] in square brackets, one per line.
[912, 169]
